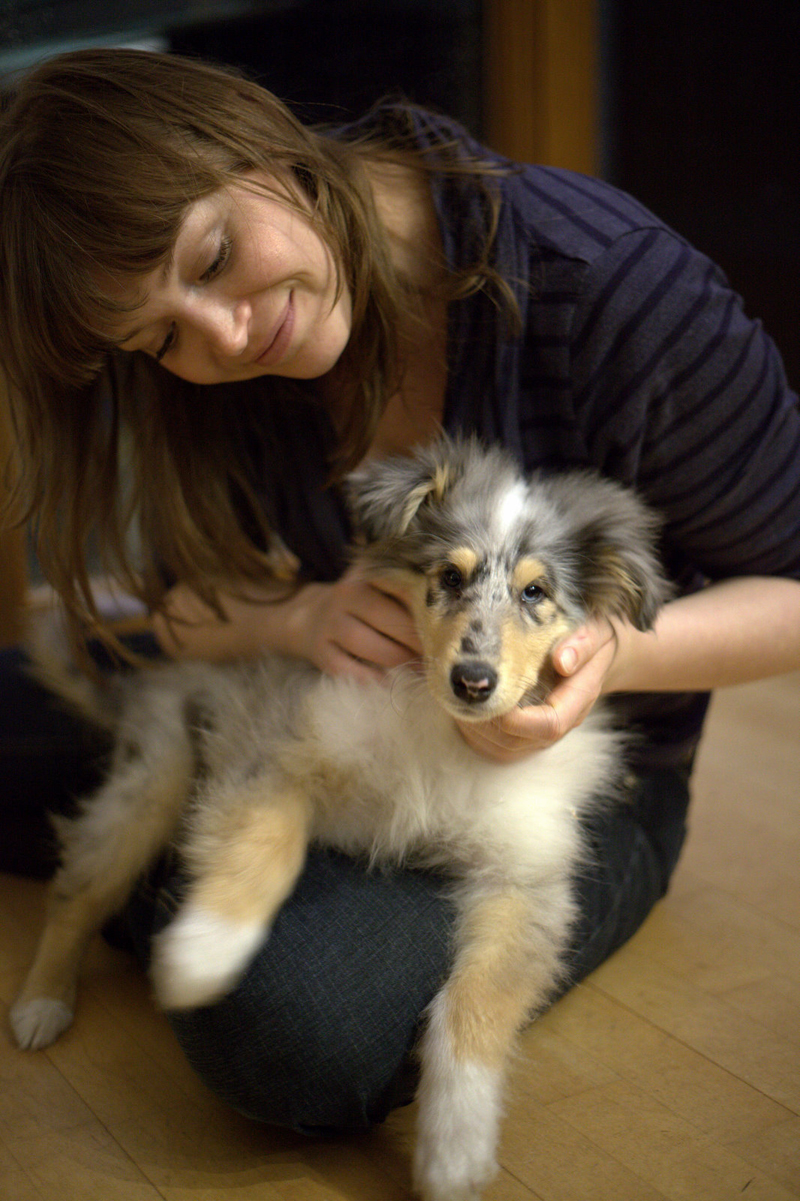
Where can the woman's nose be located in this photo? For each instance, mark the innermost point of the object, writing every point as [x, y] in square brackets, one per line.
[226, 326]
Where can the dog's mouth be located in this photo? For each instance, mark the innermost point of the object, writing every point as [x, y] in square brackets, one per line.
[473, 683]
[474, 690]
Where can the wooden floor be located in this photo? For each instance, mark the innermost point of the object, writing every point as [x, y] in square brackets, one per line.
[673, 1073]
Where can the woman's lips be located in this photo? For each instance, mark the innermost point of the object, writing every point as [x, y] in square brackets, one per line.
[281, 338]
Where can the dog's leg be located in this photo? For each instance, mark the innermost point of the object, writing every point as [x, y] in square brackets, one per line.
[244, 855]
[506, 964]
[121, 829]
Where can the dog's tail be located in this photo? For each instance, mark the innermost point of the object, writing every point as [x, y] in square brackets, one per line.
[55, 667]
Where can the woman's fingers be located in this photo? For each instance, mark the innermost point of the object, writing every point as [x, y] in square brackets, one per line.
[583, 660]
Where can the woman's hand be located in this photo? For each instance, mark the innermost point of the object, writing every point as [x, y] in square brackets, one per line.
[584, 660]
[350, 627]
[353, 627]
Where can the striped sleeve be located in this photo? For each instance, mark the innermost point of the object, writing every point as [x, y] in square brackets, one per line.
[682, 395]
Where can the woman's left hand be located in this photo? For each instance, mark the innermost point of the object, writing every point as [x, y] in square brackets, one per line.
[584, 660]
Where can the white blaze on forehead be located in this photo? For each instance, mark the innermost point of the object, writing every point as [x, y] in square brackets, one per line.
[511, 506]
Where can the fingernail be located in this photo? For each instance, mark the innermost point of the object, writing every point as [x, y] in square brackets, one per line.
[568, 660]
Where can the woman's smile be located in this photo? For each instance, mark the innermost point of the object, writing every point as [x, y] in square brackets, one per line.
[281, 337]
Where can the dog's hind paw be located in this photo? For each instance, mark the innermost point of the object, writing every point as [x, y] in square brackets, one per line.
[457, 1127]
[38, 1023]
[452, 1177]
[200, 957]
[453, 1162]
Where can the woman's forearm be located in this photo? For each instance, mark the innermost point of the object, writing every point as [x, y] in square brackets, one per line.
[731, 632]
[266, 620]
[351, 626]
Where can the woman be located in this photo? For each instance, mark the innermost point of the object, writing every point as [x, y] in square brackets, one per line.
[247, 309]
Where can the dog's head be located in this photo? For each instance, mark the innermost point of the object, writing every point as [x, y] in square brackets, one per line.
[499, 567]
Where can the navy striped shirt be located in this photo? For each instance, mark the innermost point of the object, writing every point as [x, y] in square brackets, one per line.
[635, 359]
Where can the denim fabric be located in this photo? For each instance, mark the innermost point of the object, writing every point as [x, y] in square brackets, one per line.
[319, 1035]
[48, 758]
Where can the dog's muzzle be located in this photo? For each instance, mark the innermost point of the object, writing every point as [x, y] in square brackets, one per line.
[473, 682]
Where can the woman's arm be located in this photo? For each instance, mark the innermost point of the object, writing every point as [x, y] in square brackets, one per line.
[348, 627]
[731, 632]
[683, 396]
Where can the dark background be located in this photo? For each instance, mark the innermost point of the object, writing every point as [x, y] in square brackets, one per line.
[702, 123]
[699, 113]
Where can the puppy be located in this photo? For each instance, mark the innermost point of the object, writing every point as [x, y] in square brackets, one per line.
[243, 766]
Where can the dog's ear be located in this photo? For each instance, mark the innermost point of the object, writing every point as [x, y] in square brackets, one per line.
[386, 495]
[618, 564]
[622, 585]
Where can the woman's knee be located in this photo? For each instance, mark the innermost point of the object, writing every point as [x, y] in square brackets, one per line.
[297, 1062]
[319, 1033]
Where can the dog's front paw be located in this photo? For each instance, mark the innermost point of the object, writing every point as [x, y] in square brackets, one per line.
[37, 1023]
[200, 957]
[454, 1157]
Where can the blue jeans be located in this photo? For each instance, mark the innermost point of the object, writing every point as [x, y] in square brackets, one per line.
[319, 1034]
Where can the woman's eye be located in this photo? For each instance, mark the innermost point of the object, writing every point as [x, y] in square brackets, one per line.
[167, 344]
[219, 262]
[532, 594]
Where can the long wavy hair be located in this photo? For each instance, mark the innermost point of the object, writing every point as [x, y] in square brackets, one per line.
[101, 154]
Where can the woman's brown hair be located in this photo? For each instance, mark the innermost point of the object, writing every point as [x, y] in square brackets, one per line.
[101, 153]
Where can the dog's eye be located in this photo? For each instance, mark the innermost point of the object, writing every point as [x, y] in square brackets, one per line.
[532, 594]
[451, 579]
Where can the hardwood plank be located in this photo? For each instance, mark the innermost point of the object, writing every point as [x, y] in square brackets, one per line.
[663, 1150]
[56, 1137]
[745, 822]
[640, 1053]
[743, 1046]
[775, 1151]
[558, 1162]
[719, 940]
[14, 1180]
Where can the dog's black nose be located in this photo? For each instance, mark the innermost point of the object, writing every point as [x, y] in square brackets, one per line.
[473, 682]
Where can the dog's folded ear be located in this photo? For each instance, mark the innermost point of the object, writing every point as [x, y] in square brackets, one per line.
[616, 538]
[385, 495]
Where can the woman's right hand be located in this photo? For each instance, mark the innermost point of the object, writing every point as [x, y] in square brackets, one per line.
[356, 627]
[350, 627]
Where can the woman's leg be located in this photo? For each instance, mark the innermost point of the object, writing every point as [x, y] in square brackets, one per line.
[320, 1033]
[48, 757]
[317, 1035]
[635, 847]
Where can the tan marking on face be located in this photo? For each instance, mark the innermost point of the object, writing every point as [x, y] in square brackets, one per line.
[442, 634]
[526, 650]
[528, 571]
[464, 559]
[492, 988]
[525, 645]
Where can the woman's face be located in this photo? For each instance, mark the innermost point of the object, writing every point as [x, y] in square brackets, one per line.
[250, 291]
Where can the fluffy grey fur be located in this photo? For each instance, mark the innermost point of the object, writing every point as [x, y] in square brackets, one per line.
[243, 766]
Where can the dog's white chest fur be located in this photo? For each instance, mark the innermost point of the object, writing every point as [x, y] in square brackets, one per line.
[394, 779]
